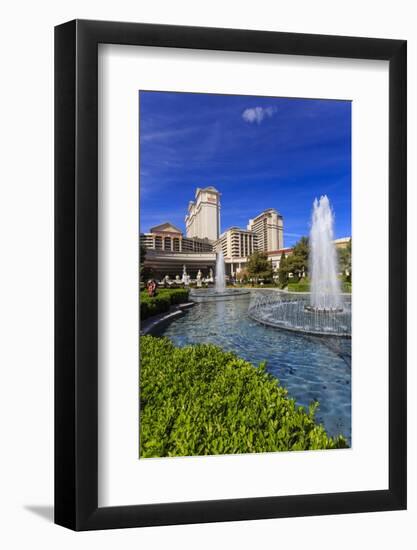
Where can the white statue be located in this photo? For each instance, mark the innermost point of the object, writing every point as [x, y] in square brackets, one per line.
[199, 283]
[185, 277]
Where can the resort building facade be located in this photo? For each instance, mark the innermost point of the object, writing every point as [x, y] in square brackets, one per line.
[168, 250]
[168, 238]
[203, 216]
[275, 256]
[342, 242]
[236, 244]
[172, 264]
[269, 230]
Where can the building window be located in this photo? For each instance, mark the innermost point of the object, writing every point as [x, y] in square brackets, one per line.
[167, 243]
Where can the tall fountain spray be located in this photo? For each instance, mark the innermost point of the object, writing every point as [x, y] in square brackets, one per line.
[220, 284]
[325, 286]
[219, 292]
[324, 311]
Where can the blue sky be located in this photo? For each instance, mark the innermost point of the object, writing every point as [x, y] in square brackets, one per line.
[259, 152]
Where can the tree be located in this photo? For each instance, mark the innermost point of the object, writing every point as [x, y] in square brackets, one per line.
[283, 271]
[345, 260]
[242, 275]
[258, 266]
[297, 263]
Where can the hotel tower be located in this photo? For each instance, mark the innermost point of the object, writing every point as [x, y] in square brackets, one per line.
[203, 216]
[269, 230]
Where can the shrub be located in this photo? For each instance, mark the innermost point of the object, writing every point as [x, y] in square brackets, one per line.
[177, 295]
[200, 400]
[301, 286]
[152, 306]
[346, 286]
[161, 302]
[304, 286]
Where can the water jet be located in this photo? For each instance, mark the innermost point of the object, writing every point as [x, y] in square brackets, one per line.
[325, 310]
[219, 292]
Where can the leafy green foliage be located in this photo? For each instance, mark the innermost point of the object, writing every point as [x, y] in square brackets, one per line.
[301, 249]
[345, 261]
[346, 286]
[150, 306]
[295, 263]
[200, 400]
[303, 285]
[161, 302]
[283, 272]
[259, 267]
[177, 295]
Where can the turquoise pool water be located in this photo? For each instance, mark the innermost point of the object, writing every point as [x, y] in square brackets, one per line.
[310, 367]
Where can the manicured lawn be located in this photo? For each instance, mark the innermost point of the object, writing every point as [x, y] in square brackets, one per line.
[304, 286]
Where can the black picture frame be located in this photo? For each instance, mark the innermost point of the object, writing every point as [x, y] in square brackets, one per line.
[76, 272]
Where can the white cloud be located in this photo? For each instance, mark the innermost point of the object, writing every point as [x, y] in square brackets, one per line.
[257, 114]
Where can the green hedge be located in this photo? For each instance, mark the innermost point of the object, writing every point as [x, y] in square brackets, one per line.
[153, 306]
[346, 286]
[161, 302]
[177, 295]
[299, 287]
[200, 400]
[305, 286]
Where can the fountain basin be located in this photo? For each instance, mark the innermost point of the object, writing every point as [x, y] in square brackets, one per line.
[213, 295]
[311, 368]
[293, 312]
[319, 310]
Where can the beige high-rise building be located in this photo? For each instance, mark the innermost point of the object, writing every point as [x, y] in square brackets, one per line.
[236, 243]
[269, 229]
[203, 217]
